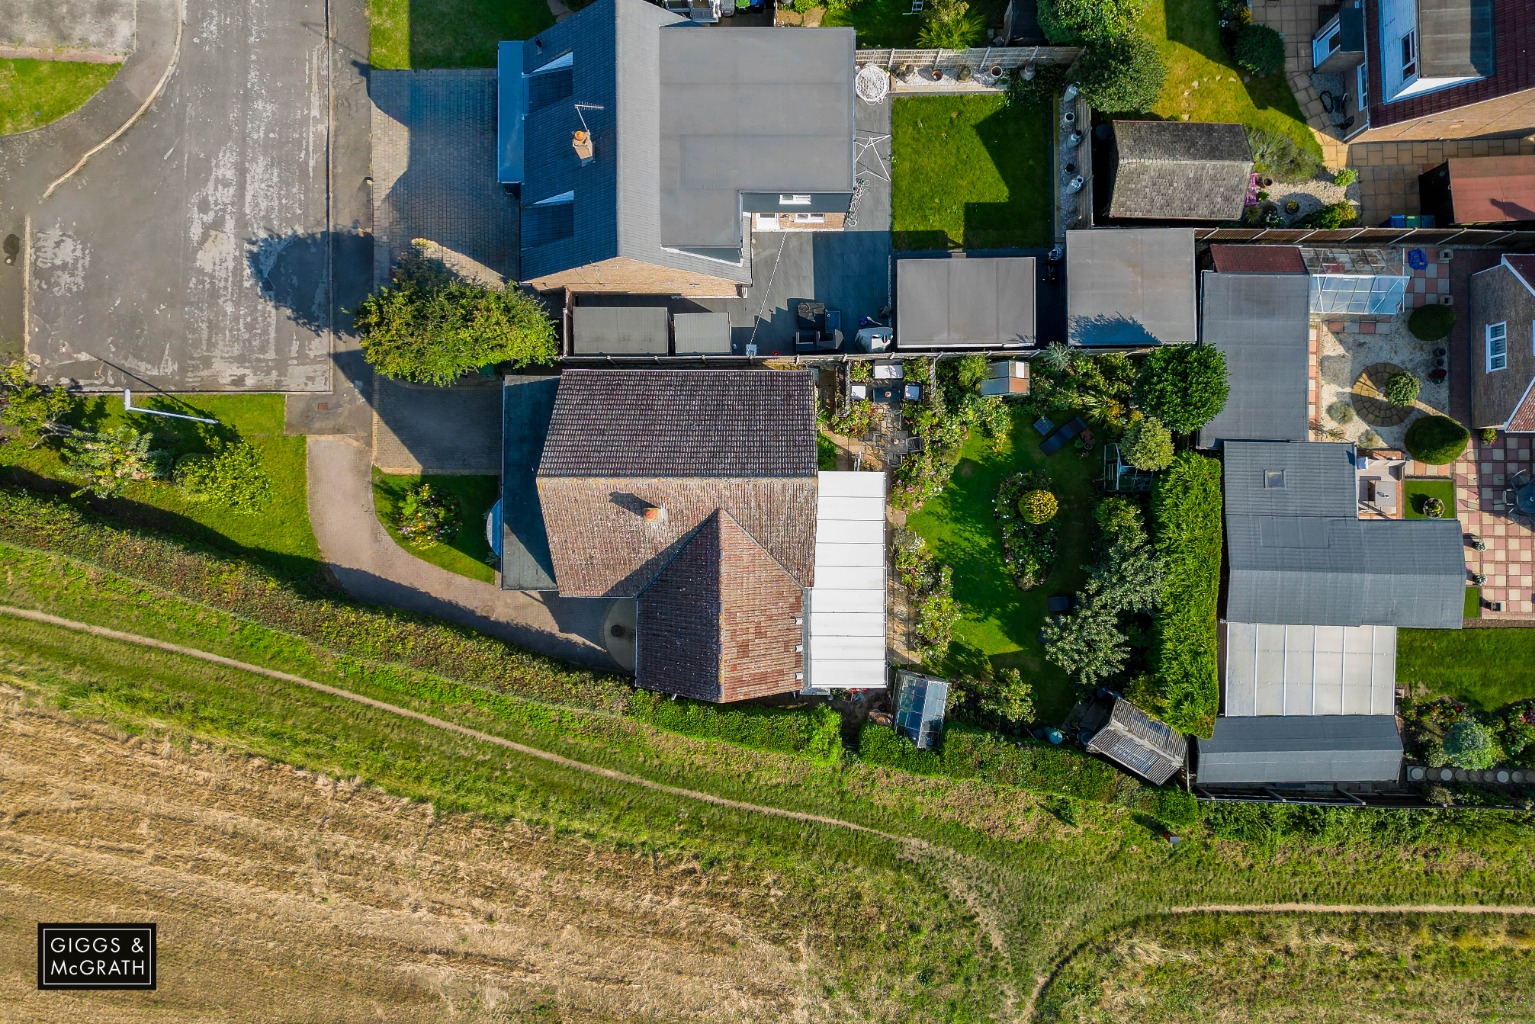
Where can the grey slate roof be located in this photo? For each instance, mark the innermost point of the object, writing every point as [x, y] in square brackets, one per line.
[689, 119]
[1179, 170]
[1315, 748]
[1298, 553]
[1261, 323]
[1455, 38]
[682, 423]
[965, 303]
[1130, 287]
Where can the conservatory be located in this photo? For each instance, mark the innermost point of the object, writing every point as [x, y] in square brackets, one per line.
[1356, 282]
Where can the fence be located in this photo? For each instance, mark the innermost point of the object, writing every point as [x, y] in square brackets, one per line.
[1438, 237]
[1009, 58]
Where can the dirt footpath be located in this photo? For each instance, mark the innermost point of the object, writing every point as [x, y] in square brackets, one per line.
[285, 896]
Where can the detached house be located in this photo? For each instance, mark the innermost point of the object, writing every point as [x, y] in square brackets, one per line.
[1430, 69]
[642, 146]
[1502, 339]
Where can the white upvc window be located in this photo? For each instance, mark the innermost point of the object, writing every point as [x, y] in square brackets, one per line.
[796, 199]
[810, 218]
[1410, 56]
[1497, 346]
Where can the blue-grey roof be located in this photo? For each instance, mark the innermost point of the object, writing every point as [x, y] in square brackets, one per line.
[527, 403]
[919, 716]
[1312, 748]
[1298, 553]
[1261, 324]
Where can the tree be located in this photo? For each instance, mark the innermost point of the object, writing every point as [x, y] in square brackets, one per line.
[1009, 697]
[1402, 389]
[1469, 744]
[1126, 580]
[231, 477]
[1147, 444]
[1071, 21]
[1184, 386]
[949, 25]
[1259, 50]
[1437, 440]
[1037, 507]
[431, 327]
[35, 412]
[108, 460]
[1087, 644]
[1121, 523]
[1121, 75]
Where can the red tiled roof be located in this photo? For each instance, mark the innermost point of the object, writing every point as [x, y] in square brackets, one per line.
[1524, 267]
[1513, 66]
[1523, 419]
[1492, 189]
[1257, 259]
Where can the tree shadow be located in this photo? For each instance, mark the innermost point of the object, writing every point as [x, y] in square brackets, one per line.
[295, 273]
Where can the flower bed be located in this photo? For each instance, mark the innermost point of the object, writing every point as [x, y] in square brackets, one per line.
[1028, 550]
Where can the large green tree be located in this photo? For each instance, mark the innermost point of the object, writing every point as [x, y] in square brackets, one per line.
[1071, 21]
[430, 326]
[1184, 386]
[1121, 74]
[34, 412]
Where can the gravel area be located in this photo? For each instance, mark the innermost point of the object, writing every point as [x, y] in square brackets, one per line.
[1344, 353]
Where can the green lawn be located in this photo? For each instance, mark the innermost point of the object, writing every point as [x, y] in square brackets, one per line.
[34, 92]
[971, 172]
[280, 534]
[1485, 667]
[465, 554]
[890, 23]
[451, 33]
[1188, 32]
[1001, 623]
[1415, 490]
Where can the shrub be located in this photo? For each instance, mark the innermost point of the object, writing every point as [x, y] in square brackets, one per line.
[1281, 157]
[1037, 507]
[1469, 744]
[231, 477]
[1008, 698]
[1489, 435]
[1039, 91]
[426, 517]
[1330, 218]
[1175, 808]
[949, 25]
[1370, 440]
[1087, 644]
[1437, 440]
[429, 326]
[1121, 75]
[1432, 508]
[1402, 389]
[1186, 521]
[936, 613]
[106, 462]
[1431, 322]
[1121, 523]
[1071, 21]
[1345, 177]
[1183, 386]
[34, 412]
[1147, 445]
[1259, 50]
[1028, 550]
[1341, 412]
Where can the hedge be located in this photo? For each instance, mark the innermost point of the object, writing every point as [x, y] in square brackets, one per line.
[814, 732]
[1437, 440]
[1186, 526]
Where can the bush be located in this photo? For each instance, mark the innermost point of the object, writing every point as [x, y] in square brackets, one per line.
[1341, 412]
[949, 25]
[426, 517]
[1469, 744]
[1402, 389]
[1279, 156]
[1437, 440]
[1086, 644]
[1345, 177]
[1431, 322]
[106, 462]
[1121, 523]
[1175, 808]
[1121, 75]
[1186, 526]
[34, 412]
[1039, 91]
[1432, 508]
[813, 732]
[1184, 386]
[1037, 507]
[1489, 435]
[1147, 445]
[1071, 21]
[429, 326]
[1028, 550]
[231, 477]
[1330, 218]
[1370, 440]
[1259, 50]
[936, 615]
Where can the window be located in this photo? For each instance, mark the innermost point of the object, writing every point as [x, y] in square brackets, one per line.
[1409, 55]
[1273, 478]
[810, 218]
[794, 200]
[1497, 346]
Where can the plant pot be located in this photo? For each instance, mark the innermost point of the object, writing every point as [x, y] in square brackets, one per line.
[933, 75]
[995, 70]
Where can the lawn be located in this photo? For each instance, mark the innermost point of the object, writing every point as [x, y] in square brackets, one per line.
[1000, 623]
[280, 534]
[890, 23]
[971, 172]
[1416, 490]
[1188, 33]
[1484, 667]
[450, 33]
[465, 554]
[34, 92]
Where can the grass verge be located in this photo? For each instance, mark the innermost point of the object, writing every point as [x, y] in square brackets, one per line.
[450, 33]
[35, 92]
[971, 172]
[1486, 668]
[999, 625]
[466, 553]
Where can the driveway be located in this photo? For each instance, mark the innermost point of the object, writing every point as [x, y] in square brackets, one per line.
[190, 253]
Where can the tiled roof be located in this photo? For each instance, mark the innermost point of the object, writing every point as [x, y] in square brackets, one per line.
[1177, 170]
[1258, 259]
[1524, 266]
[682, 423]
[721, 621]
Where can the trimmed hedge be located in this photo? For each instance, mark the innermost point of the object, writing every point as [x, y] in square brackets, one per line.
[1437, 440]
[1186, 525]
[1431, 322]
[815, 732]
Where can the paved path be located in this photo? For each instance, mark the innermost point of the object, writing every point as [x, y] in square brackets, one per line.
[371, 567]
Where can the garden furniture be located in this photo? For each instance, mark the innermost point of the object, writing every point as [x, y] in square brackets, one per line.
[1043, 426]
[1058, 440]
[1525, 499]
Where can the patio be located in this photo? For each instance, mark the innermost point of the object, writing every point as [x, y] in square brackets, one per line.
[1508, 563]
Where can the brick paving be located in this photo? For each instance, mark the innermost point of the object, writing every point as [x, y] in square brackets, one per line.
[1508, 563]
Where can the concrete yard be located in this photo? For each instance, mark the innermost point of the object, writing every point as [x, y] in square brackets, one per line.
[77, 28]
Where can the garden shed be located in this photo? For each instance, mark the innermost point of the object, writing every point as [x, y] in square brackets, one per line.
[1178, 170]
[965, 303]
[1261, 324]
[1131, 287]
[1133, 739]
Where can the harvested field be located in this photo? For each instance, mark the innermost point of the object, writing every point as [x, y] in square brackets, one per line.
[332, 901]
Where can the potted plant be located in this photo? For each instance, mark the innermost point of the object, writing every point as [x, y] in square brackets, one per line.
[1432, 508]
[934, 74]
[963, 74]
